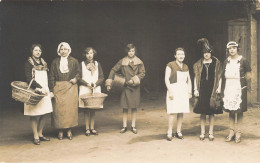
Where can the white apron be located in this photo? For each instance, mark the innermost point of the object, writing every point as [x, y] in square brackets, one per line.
[232, 93]
[180, 102]
[89, 78]
[45, 105]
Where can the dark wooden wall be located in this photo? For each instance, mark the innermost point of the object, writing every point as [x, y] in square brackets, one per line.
[157, 28]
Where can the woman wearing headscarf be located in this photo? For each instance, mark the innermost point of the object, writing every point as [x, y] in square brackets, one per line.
[64, 75]
[36, 69]
[207, 84]
[236, 73]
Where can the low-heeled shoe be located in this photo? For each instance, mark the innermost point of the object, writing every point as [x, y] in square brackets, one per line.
[44, 138]
[36, 141]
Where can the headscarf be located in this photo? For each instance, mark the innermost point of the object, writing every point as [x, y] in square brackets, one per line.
[64, 60]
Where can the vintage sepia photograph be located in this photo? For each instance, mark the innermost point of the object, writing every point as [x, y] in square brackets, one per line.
[130, 81]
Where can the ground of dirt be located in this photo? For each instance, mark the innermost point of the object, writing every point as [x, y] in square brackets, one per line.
[149, 145]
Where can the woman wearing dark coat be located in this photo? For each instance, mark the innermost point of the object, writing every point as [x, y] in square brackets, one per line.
[207, 84]
[132, 68]
[64, 74]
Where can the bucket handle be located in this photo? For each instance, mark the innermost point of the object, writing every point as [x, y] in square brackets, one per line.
[30, 83]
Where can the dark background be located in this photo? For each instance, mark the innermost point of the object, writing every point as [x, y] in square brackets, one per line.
[156, 28]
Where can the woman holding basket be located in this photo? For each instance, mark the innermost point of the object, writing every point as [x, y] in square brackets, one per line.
[36, 71]
[90, 82]
[64, 75]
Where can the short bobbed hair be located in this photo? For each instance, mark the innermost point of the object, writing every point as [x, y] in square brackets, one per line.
[87, 49]
[35, 45]
[130, 46]
[179, 48]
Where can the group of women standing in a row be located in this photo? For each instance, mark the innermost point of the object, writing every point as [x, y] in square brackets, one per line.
[65, 76]
[211, 79]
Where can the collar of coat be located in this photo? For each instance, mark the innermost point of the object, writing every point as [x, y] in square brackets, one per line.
[136, 61]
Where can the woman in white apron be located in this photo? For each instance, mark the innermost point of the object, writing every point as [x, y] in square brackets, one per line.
[178, 83]
[36, 68]
[236, 73]
[91, 79]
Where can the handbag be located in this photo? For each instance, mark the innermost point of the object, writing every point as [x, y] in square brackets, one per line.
[216, 102]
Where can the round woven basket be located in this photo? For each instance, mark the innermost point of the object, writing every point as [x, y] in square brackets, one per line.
[93, 100]
[118, 83]
[23, 93]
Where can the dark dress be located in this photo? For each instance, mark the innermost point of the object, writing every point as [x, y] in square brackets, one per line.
[206, 88]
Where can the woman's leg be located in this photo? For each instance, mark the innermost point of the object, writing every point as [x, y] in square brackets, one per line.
[170, 125]
[133, 115]
[34, 124]
[231, 127]
[179, 122]
[92, 119]
[86, 114]
[125, 113]
[42, 121]
[202, 126]
[239, 117]
[92, 123]
[211, 124]
[202, 123]
[134, 111]
[211, 127]
[69, 134]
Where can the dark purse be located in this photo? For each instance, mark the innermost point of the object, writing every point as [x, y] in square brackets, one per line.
[216, 102]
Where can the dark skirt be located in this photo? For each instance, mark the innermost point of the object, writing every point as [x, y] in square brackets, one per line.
[203, 104]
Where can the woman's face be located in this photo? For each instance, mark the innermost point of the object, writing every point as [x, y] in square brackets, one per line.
[180, 55]
[64, 52]
[207, 56]
[37, 52]
[232, 50]
[131, 53]
[90, 55]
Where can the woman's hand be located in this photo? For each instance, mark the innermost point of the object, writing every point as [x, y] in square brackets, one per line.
[130, 82]
[108, 88]
[93, 85]
[196, 93]
[51, 95]
[190, 95]
[44, 91]
[73, 81]
[171, 95]
[218, 91]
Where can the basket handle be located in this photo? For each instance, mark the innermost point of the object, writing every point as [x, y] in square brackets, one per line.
[30, 83]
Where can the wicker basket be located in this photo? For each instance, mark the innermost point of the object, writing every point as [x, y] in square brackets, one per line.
[23, 93]
[93, 100]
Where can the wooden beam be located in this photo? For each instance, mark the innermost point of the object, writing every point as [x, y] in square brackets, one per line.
[253, 51]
